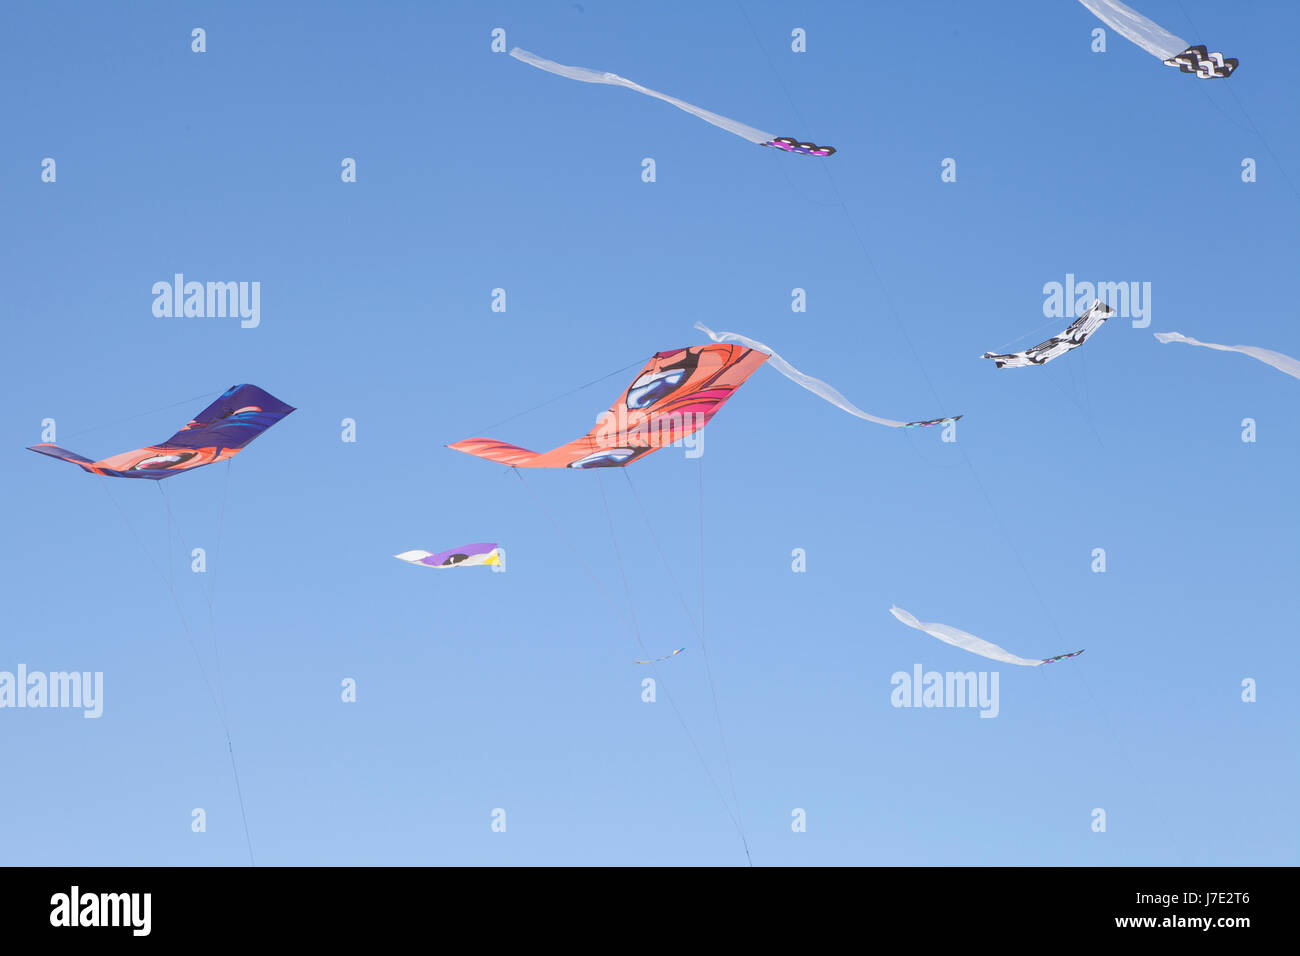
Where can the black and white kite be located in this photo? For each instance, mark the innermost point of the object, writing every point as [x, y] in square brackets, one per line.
[1156, 40]
[1079, 332]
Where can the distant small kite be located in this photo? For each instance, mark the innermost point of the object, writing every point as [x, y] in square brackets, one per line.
[1283, 363]
[466, 556]
[664, 658]
[969, 642]
[814, 385]
[585, 75]
[1080, 331]
[675, 395]
[1159, 42]
[218, 432]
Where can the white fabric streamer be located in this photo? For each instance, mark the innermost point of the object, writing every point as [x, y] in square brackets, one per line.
[1283, 363]
[584, 75]
[967, 642]
[1130, 24]
[814, 385]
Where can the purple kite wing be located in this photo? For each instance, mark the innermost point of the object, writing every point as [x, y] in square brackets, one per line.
[467, 555]
[461, 554]
[232, 421]
[217, 433]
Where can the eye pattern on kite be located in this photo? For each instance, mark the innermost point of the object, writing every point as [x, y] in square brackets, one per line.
[466, 556]
[793, 146]
[675, 395]
[217, 433]
[1206, 65]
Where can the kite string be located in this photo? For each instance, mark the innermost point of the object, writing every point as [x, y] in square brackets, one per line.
[708, 667]
[1050, 322]
[212, 583]
[618, 556]
[609, 517]
[189, 637]
[697, 627]
[576, 554]
[221, 708]
[550, 401]
[118, 421]
[180, 611]
[654, 667]
[1244, 112]
[209, 593]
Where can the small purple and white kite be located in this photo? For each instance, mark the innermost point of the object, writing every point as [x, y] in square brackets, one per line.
[464, 556]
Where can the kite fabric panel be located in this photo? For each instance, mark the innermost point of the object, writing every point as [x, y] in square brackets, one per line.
[664, 658]
[815, 385]
[217, 433]
[1080, 331]
[469, 555]
[1283, 363]
[676, 394]
[969, 642]
[1159, 42]
[584, 75]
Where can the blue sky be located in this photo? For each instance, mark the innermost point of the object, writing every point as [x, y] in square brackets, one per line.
[479, 690]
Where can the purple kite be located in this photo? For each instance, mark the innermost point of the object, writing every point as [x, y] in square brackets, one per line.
[465, 556]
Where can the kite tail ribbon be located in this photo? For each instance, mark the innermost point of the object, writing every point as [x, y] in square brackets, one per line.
[814, 385]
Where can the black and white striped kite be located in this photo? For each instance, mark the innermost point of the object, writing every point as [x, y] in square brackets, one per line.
[1079, 332]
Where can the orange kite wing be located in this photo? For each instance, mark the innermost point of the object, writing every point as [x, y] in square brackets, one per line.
[675, 395]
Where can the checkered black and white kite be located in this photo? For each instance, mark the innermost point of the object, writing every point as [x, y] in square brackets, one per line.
[1156, 40]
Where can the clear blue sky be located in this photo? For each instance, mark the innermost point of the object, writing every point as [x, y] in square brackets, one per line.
[479, 690]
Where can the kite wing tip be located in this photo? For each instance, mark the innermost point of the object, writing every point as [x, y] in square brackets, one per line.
[54, 451]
